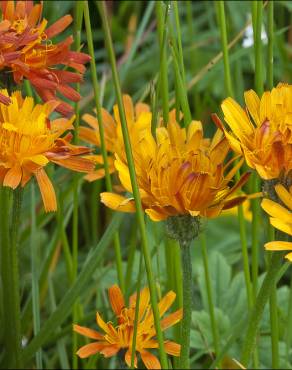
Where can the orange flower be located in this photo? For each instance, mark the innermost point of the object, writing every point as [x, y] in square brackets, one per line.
[113, 132]
[262, 131]
[120, 336]
[27, 51]
[179, 172]
[29, 141]
[281, 218]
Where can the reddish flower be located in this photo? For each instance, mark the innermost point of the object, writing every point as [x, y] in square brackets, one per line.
[26, 50]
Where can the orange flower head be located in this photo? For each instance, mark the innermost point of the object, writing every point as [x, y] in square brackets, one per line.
[113, 132]
[26, 51]
[179, 172]
[29, 141]
[120, 336]
[281, 218]
[262, 132]
[138, 117]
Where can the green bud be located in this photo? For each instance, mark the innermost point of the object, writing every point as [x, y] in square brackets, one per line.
[183, 228]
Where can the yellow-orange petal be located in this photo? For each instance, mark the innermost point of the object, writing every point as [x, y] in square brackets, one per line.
[172, 348]
[91, 121]
[59, 26]
[280, 225]
[118, 202]
[233, 142]
[155, 214]
[88, 135]
[166, 302]
[87, 332]
[110, 350]
[128, 358]
[237, 118]
[278, 246]
[90, 349]
[95, 175]
[275, 210]
[78, 164]
[252, 102]
[284, 195]
[289, 256]
[39, 159]
[13, 177]
[47, 190]
[144, 301]
[129, 110]
[102, 324]
[34, 15]
[171, 319]
[116, 299]
[149, 360]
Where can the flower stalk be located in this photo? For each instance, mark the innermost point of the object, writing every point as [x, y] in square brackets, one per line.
[257, 312]
[139, 213]
[108, 181]
[187, 305]
[10, 277]
[185, 229]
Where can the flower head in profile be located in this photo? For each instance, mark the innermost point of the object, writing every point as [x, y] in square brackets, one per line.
[135, 114]
[281, 218]
[29, 141]
[179, 173]
[27, 51]
[138, 118]
[119, 336]
[262, 131]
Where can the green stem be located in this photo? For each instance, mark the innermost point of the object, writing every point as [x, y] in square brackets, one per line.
[274, 327]
[270, 73]
[229, 90]
[179, 42]
[10, 277]
[224, 43]
[136, 322]
[163, 80]
[244, 250]
[257, 19]
[255, 206]
[288, 332]
[35, 276]
[136, 193]
[258, 309]
[181, 88]
[209, 294]
[257, 24]
[274, 313]
[186, 262]
[78, 10]
[96, 90]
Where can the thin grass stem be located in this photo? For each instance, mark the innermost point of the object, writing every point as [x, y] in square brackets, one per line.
[163, 78]
[78, 10]
[35, 277]
[209, 294]
[96, 90]
[229, 90]
[136, 193]
[10, 276]
[258, 309]
[224, 43]
[270, 68]
[186, 262]
[136, 322]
